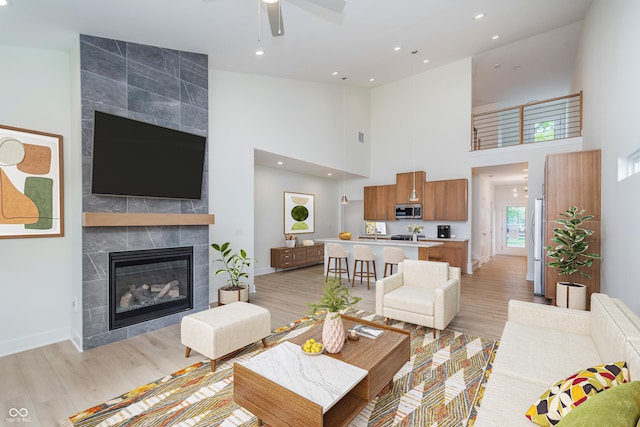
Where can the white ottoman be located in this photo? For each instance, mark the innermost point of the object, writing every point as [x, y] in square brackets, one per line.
[225, 329]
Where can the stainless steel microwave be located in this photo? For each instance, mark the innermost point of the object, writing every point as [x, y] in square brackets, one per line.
[409, 211]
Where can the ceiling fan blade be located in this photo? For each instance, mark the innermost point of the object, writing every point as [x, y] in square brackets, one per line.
[274, 11]
[334, 5]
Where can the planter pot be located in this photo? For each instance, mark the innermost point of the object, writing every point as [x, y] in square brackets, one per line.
[290, 243]
[226, 296]
[571, 295]
[333, 334]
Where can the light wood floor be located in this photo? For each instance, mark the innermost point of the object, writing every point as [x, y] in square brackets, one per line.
[56, 381]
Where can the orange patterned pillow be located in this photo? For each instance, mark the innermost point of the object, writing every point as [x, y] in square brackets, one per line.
[566, 394]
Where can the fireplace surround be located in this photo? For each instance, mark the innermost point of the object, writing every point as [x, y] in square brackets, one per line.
[148, 284]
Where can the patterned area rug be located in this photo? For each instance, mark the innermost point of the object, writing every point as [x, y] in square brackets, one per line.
[439, 386]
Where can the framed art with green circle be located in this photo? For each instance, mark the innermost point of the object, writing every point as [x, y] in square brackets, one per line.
[299, 213]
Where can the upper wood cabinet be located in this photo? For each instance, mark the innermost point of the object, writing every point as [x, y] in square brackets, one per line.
[404, 186]
[445, 200]
[380, 202]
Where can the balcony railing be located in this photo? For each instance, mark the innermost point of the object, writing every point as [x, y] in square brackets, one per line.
[548, 120]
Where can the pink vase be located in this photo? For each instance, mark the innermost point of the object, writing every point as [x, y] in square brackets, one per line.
[333, 334]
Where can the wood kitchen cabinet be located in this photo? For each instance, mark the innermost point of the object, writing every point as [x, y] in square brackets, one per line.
[445, 200]
[299, 256]
[452, 251]
[573, 179]
[380, 202]
[404, 186]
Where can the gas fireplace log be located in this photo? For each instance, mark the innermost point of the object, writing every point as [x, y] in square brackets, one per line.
[142, 293]
[167, 288]
[125, 300]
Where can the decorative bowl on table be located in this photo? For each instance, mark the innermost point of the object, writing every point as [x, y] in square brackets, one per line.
[312, 348]
[345, 235]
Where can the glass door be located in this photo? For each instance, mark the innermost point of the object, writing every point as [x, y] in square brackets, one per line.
[514, 229]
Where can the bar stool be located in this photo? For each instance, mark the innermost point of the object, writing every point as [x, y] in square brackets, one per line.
[392, 256]
[337, 253]
[363, 254]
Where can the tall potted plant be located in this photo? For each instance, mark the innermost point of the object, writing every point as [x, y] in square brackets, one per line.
[570, 253]
[234, 265]
[335, 298]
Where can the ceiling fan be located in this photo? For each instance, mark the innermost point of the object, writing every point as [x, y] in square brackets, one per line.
[274, 12]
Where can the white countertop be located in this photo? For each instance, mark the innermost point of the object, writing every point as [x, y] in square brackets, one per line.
[438, 239]
[385, 242]
[321, 379]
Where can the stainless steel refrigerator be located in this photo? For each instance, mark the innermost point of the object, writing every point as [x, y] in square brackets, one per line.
[537, 235]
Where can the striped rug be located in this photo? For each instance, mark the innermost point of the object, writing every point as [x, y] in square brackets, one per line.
[439, 386]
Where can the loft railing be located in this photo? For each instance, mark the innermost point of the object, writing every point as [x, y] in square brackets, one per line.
[548, 120]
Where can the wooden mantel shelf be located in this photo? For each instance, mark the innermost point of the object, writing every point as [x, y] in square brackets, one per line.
[117, 219]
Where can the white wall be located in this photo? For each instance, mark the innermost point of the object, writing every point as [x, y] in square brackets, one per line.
[297, 119]
[609, 72]
[36, 274]
[270, 183]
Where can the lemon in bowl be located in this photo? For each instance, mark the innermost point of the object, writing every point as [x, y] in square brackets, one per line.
[312, 348]
[345, 235]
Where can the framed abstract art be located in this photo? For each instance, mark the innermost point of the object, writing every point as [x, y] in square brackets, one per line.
[31, 192]
[299, 215]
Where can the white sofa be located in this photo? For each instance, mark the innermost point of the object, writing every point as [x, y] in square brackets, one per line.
[543, 344]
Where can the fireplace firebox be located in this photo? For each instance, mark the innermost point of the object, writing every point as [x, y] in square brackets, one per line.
[148, 284]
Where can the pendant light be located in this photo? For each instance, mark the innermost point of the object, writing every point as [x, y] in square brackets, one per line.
[414, 195]
[343, 199]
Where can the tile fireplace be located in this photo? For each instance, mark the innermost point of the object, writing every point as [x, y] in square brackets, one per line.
[148, 284]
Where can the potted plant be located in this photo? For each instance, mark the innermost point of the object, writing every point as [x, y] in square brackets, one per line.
[415, 229]
[570, 254]
[335, 298]
[234, 265]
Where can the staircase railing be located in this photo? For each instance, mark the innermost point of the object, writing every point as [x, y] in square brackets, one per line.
[548, 120]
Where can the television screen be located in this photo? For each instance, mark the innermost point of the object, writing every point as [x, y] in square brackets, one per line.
[132, 158]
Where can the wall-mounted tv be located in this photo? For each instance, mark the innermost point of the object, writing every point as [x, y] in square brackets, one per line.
[132, 158]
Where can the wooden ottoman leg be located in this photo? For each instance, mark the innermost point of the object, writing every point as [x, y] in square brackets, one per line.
[213, 365]
[188, 352]
[264, 342]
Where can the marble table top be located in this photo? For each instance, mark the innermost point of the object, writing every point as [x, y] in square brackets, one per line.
[320, 379]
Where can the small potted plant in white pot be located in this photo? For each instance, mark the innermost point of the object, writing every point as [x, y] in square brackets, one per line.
[570, 254]
[234, 265]
[335, 298]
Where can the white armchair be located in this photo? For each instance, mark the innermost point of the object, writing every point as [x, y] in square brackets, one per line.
[424, 293]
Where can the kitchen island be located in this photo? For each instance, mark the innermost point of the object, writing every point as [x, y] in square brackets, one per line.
[412, 250]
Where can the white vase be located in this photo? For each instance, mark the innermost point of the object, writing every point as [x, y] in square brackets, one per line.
[415, 237]
[333, 334]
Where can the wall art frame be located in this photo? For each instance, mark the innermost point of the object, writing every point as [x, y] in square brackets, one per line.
[299, 213]
[31, 184]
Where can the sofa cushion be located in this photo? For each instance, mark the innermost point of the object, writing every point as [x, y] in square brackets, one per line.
[617, 406]
[411, 298]
[574, 390]
[610, 327]
[425, 274]
[542, 355]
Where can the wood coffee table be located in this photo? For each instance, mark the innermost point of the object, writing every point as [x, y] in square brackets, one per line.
[289, 398]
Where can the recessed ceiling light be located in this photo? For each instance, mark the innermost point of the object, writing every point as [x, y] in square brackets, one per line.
[517, 67]
[397, 48]
[425, 61]
[270, 1]
[479, 16]
[3, 2]
[335, 73]
[329, 174]
[496, 37]
[259, 52]
[498, 65]
[280, 163]
[371, 79]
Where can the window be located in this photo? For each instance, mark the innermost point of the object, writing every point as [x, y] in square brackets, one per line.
[544, 131]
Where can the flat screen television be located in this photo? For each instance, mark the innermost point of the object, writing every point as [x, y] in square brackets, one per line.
[132, 158]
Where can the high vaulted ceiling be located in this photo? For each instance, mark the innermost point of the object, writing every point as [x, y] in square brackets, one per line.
[357, 42]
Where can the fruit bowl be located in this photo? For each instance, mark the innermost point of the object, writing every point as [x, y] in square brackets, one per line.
[345, 235]
[312, 348]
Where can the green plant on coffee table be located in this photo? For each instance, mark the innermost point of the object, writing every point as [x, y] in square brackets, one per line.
[570, 253]
[234, 265]
[335, 298]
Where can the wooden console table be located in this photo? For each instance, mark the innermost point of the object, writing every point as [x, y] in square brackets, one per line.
[298, 256]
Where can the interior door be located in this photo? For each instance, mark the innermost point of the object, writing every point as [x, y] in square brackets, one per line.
[513, 229]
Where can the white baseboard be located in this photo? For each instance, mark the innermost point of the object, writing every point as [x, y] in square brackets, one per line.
[33, 341]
